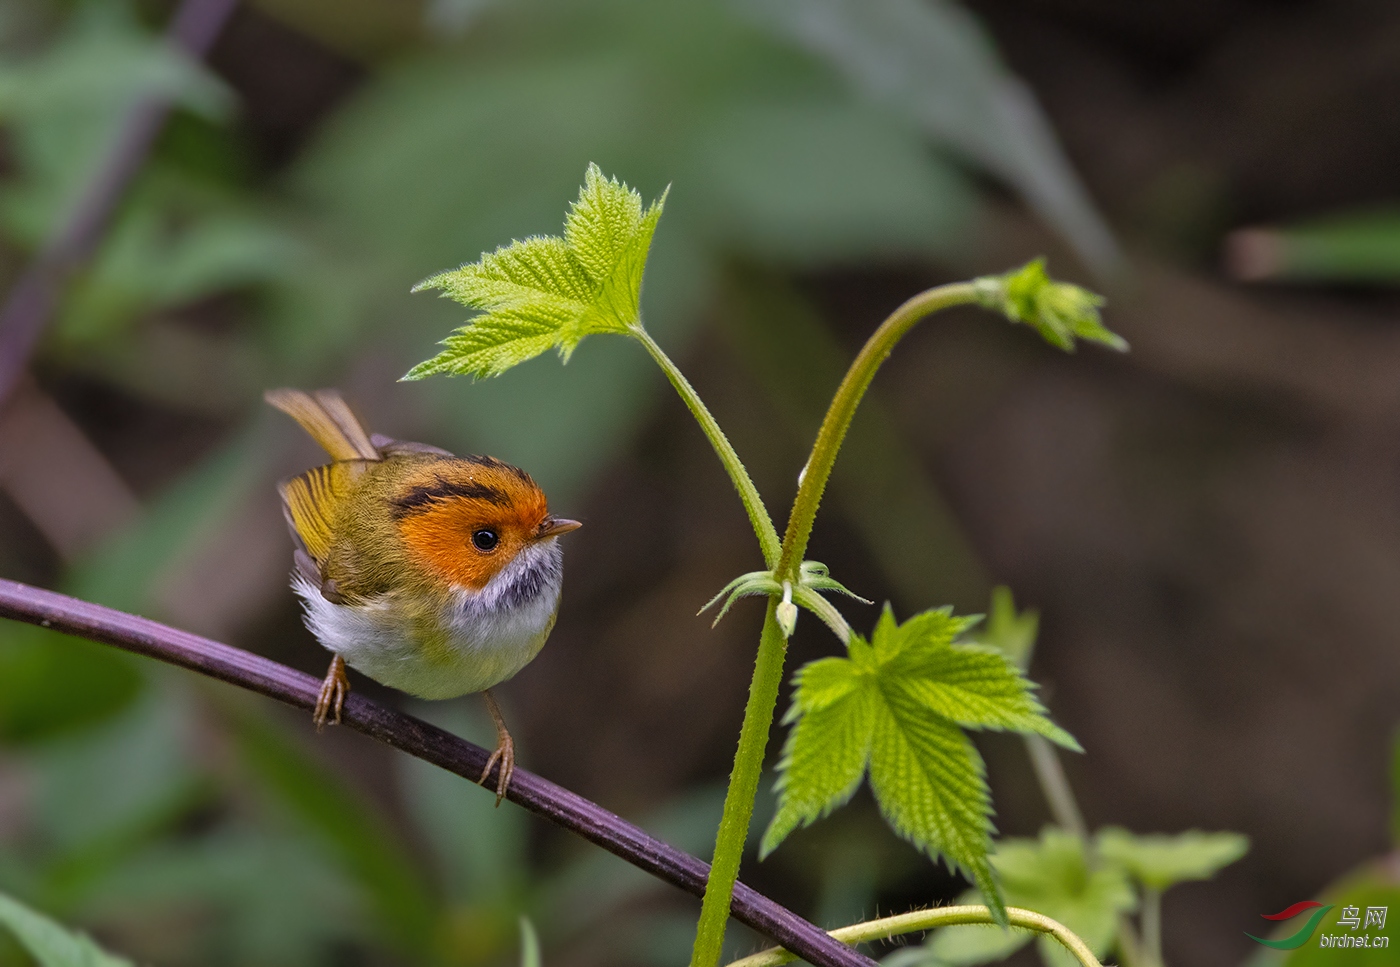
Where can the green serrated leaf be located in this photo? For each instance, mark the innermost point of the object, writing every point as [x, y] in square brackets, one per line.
[1160, 861]
[931, 787]
[50, 943]
[549, 292]
[928, 630]
[972, 685]
[976, 687]
[897, 705]
[1059, 311]
[826, 752]
[823, 683]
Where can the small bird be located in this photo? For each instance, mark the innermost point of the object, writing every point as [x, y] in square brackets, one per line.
[434, 574]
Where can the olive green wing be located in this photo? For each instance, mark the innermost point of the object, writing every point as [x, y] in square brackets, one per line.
[313, 503]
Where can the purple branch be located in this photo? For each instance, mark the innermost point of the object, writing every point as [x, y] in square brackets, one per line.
[429, 743]
[35, 294]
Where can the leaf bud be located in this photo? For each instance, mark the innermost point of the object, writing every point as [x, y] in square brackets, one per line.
[786, 612]
[1059, 311]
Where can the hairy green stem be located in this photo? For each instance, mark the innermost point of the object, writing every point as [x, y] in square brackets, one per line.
[843, 408]
[768, 670]
[743, 789]
[887, 927]
[748, 493]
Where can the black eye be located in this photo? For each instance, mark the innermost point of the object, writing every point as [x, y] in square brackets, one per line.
[485, 539]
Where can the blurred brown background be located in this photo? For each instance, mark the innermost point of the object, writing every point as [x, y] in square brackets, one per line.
[1208, 525]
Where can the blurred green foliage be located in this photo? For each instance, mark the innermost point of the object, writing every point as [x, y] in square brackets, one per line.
[50, 943]
[1358, 247]
[794, 138]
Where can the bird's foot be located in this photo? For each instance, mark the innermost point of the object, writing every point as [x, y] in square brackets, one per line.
[505, 755]
[332, 695]
[505, 751]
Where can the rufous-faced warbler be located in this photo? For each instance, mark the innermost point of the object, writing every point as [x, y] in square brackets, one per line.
[434, 574]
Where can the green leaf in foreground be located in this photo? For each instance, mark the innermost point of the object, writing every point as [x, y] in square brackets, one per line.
[1059, 311]
[1158, 862]
[548, 292]
[897, 706]
[52, 944]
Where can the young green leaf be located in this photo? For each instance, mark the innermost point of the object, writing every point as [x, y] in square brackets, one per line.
[549, 292]
[897, 706]
[51, 944]
[1051, 876]
[833, 724]
[1158, 862]
[1009, 632]
[1059, 311]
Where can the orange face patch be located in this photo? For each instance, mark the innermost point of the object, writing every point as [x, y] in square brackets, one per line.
[465, 519]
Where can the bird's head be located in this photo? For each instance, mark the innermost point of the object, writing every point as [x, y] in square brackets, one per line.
[466, 519]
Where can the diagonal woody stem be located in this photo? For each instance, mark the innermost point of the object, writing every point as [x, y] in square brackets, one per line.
[542, 797]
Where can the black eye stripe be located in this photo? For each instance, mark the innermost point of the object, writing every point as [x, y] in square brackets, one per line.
[420, 498]
[485, 539]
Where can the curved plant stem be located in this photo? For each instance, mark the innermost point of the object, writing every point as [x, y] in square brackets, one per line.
[569, 810]
[772, 648]
[843, 408]
[887, 927]
[748, 493]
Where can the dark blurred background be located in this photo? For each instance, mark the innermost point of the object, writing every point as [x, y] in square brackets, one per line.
[1209, 525]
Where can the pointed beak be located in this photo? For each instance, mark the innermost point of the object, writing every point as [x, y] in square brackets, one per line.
[554, 526]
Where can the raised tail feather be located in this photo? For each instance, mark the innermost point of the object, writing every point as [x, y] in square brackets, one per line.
[329, 421]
